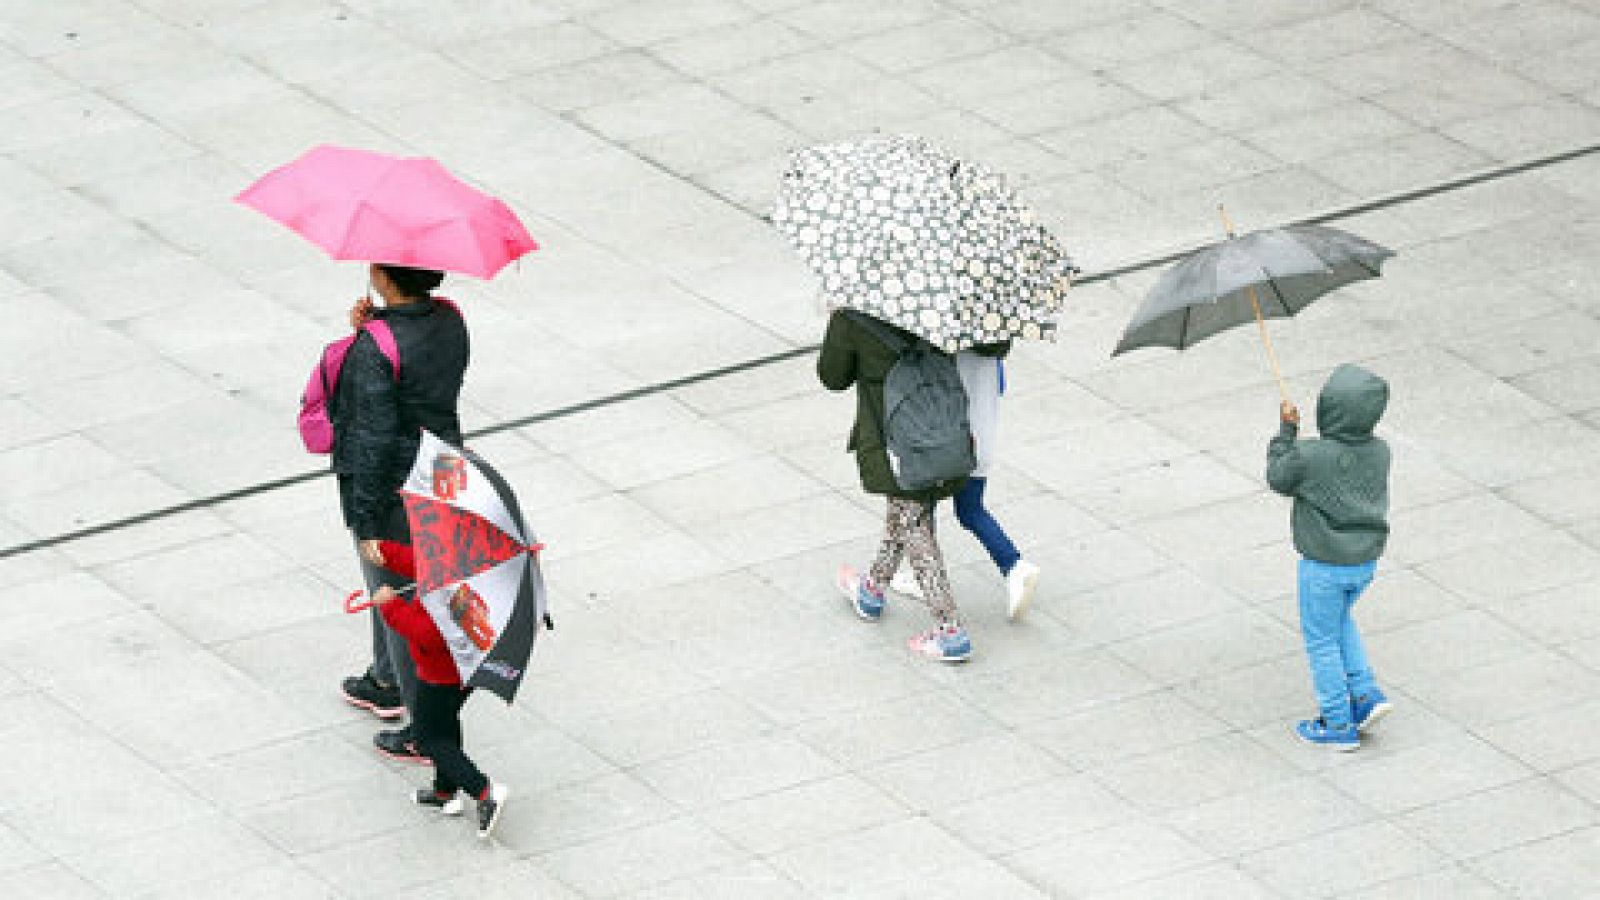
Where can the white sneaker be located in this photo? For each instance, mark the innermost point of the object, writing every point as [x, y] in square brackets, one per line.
[905, 582]
[455, 805]
[1020, 582]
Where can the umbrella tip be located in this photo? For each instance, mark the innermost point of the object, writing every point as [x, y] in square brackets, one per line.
[1227, 223]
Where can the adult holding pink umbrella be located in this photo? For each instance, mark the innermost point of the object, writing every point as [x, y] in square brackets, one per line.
[412, 221]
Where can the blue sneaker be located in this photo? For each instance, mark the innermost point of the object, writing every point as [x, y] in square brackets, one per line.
[945, 643]
[867, 600]
[1368, 709]
[1343, 738]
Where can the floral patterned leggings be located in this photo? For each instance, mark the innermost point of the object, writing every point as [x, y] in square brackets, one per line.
[909, 532]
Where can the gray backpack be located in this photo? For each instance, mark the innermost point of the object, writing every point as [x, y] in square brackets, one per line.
[925, 427]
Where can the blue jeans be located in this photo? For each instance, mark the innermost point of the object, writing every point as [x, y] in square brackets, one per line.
[974, 517]
[1339, 667]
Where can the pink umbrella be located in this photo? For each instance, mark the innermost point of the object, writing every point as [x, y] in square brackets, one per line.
[357, 204]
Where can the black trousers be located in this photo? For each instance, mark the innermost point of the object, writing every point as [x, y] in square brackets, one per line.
[436, 725]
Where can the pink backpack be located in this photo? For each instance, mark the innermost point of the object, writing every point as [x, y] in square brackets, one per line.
[316, 428]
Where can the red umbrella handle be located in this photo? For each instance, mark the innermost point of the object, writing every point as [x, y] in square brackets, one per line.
[350, 604]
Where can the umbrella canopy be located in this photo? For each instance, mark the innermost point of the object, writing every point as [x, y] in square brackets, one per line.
[356, 204]
[942, 247]
[477, 569]
[1267, 274]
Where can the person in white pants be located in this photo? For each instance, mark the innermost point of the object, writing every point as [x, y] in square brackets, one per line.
[983, 376]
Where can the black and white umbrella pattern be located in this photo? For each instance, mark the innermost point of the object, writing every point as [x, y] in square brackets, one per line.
[909, 234]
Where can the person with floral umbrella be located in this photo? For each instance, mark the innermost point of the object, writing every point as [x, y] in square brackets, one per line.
[915, 249]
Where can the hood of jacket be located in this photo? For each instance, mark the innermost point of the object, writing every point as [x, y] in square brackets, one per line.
[1351, 403]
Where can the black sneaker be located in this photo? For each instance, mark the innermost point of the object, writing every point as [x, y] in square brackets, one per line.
[490, 807]
[399, 745]
[380, 700]
[453, 804]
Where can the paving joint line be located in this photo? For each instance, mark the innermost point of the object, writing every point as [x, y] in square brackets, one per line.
[1384, 202]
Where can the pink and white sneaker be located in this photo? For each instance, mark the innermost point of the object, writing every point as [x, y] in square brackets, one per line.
[867, 600]
[944, 643]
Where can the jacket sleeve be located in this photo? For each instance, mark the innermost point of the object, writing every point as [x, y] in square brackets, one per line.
[375, 420]
[407, 617]
[836, 365]
[1286, 465]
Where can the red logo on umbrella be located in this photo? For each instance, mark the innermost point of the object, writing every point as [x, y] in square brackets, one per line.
[469, 611]
[449, 476]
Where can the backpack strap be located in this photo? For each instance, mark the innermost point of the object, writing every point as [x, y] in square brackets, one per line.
[896, 344]
[383, 335]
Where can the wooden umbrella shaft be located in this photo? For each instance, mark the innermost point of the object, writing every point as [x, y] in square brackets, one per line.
[1261, 321]
[1266, 341]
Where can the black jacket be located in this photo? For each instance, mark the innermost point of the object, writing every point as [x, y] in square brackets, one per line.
[377, 421]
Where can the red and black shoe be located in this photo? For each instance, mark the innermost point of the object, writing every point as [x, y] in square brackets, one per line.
[379, 699]
[401, 746]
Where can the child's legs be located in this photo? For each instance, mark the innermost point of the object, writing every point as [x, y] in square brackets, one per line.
[1357, 670]
[438, 734]
[975, 517]
[927, 562]
[901, 512]
[1323, 611]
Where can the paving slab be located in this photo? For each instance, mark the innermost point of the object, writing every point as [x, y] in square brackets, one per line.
[710, 719]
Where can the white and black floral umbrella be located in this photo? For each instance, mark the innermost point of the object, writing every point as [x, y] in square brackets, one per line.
[937, 245]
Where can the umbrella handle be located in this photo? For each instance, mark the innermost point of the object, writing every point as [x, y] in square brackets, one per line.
[352, 606]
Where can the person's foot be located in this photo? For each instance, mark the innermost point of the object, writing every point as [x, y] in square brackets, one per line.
[1343, 738]
[1369, 709]
[366, 692]
[1020, 582]
[400, 745]
[451, 804]
[945, 643]
[867, 600]
[490, 807]
[905, 582]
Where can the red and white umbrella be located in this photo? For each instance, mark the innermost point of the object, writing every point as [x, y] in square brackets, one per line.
[477, 565]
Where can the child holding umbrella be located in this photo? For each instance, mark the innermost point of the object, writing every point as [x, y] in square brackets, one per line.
[440, 695]
[1340, 485]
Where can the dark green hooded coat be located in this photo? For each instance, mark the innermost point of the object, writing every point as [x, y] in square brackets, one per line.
[852, 355]
[1340, 480]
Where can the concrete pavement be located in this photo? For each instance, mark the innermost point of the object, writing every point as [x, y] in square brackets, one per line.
[710, 720]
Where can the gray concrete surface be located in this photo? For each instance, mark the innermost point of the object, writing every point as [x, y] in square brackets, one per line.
[710, 720]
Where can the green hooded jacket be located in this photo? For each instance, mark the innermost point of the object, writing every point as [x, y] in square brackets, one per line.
[1340, 480]
[852, 355]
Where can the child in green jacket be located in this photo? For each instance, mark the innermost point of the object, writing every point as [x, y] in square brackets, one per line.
[1340, 485]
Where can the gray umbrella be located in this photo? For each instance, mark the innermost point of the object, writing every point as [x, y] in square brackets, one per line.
[1260, 275]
